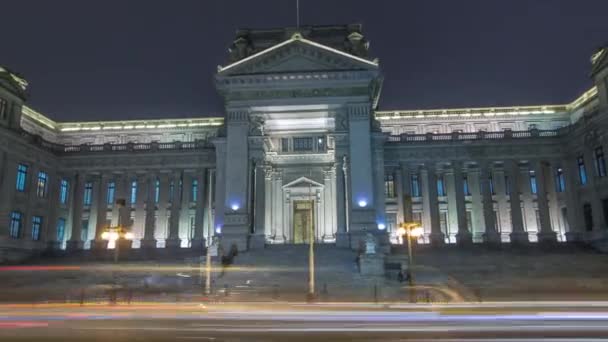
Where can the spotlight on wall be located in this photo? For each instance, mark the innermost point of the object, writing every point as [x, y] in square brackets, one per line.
[235, 207]
[218, 230]
[381, 226]
[362, 203]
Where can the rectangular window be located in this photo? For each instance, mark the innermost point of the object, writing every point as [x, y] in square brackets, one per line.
[321, 143]
[21, 177]
[15, 225]
[415, 184]
[84, 233]
[285, 144]
[302, 144]
[192, 227]
[582, 171]
[465, 184]
[156, 191]
[470, 220]
[60, 229]
[533, 187]
[133, 191]
[3, 108]
[42, 185]
[64, 187]
[194, 192]
[36, 227]
[389, 186]
[111, 191]
[171, 190]
[88, 193]
[491, 182]
[600, 162]
[560, 181]
[507, 186]
[440, 186]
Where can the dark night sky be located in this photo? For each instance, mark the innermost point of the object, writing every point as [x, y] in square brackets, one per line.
[128, 59]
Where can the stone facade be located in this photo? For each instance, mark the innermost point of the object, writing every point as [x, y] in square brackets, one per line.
[302, 148]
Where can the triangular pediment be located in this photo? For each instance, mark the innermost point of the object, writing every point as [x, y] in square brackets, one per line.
[303, 182]
[297, 55]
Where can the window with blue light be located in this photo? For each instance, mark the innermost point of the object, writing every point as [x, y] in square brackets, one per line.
[582, 170]
[15, 224]
[21, 177]
[42, 185]
[600, 162]
[110, 192]
[440, 186]
[194, 192]
[36, 227]
[415, 185]
[133, 191]
[156, 191]
[60, 229]
[64, 187]
[533, 186]
[88, 193]
[465, 184]
[560, 181]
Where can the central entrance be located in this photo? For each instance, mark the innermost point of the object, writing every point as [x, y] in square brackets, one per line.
[303, 221]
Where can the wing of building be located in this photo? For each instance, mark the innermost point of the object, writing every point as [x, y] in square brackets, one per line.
[301, 147]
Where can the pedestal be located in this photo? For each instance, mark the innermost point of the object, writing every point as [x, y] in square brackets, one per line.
[257, 241]
[342, 240]
[53, 245]
[74, 245]
[492, 238]
[99, 245]
[198, 244]
[173, 243]
[464, 238]
[573, 237]
[371, 264]
[437, 239]
[519, 238]
[148, 244]
[547, 237]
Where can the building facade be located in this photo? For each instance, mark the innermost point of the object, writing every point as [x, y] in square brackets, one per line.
[302, 147]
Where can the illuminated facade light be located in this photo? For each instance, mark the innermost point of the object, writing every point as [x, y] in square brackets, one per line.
[234, 207]
[381, 226]
[362, 203]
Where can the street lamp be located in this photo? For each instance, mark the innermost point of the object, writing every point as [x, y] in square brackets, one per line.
[115, 235]
[410, 230]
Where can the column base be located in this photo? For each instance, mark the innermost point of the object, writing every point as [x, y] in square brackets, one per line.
[464, 238]
[371, 264]
[519, 238]
[342, 240]
[573, 237]
[492, 238]
[257, 241]
[53, 245]
[148, 244]
[99, 245]
[198, 244]
[124, 245]
[74, 245]
[437, 239]
[547, 237]
[173, 243]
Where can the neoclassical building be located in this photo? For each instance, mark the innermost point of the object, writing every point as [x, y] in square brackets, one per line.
[302, 146]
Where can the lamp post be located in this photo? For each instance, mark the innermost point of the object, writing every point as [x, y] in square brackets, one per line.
[119, 232]
[410, 230]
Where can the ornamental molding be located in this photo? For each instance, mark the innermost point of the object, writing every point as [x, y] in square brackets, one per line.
[304, 158]
[358, 112]
[261, 93]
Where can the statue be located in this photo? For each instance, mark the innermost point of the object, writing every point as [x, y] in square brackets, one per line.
[370, 244]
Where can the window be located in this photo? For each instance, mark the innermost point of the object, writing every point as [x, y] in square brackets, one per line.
[469, 215]
[171, 190]
[3, 108]
[389, 186]
[84, 233]
[285, 144]
[443, 222]
[600, 162]
[321, 143]
[42, 185]
[111, 191]
[133, 191]
[588, 216]
[156, 191]
[194, 192]
[192, 228]
[440, 186]
[15, 225]
[415, 184]
[465, 184]
[64, 187]
[88, 193]
[302, 144]
[491, 182]
[582, 171]
[560, 181]
[507, 186]
[21, 177]
[60, 229]
[533, 187]
[36, 225]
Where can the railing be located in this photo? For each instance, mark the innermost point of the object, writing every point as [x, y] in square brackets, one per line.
[457, 136]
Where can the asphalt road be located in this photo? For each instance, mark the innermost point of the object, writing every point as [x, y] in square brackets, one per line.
[294, 322]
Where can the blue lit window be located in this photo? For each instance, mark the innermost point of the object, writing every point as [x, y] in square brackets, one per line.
[64, 187]
[440, 186]
[42, 185]
[600, 162]
[133, 191]
[560, 181]
[21, 177]
[415, 183]
[533, 187]
[111, 191]
[36, 227]
[157, 191]
[88, 193]
[465, 184]
[582, 171]
[194, 192]
[15, 225]
[60, 229]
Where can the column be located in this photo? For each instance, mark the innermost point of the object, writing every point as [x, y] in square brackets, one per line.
[268, 198]
[518, 234]
[277, 208]
[341, 211]
[463, 236]
[53, 210]
[220, 184]
[545, 233]
[599, 223]
[173, 240]
[328, 234]
[404, 193]
[149, 240]
[573, 205]
[7, 192]
[490, 235]
[32, 198]
[161, 229]
[75, 243]
[259, 200]
[185, 206]
[198, 240]
[436, 237]
[101, 204]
